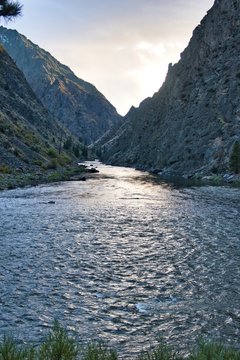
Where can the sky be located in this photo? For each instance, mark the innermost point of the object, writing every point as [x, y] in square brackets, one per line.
[123, 47]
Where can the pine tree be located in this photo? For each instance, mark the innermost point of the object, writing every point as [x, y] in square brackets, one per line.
[235, 158]
[84, 152]
[10, 9]
[68, 143]
[76, 150]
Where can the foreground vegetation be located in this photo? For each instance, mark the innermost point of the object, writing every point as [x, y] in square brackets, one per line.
[59, 345]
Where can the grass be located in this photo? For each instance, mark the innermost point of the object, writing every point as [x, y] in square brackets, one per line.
[161, 352]
[214, 351]
[21, 179]
[98, 351]
[59, 345]
[9, 350]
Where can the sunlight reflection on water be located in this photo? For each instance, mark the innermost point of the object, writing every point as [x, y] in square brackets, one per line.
[122, 258]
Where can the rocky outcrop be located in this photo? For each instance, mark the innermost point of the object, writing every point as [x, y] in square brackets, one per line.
[30, 138]
[74, 102]
[192, 122]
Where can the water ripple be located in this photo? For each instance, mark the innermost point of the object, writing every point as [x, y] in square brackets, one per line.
[124, 259]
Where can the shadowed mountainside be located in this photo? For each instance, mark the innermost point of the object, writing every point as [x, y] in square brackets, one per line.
[29, 136]
[191, 124]
[74, 102]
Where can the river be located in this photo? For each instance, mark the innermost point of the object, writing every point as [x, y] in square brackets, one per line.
[124, 258]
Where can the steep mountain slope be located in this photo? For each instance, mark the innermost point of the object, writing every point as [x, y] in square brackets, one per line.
[192, 122]
[74, 102]
[29, 136]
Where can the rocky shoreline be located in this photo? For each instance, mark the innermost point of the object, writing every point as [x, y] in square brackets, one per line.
[33, 178]
[199, 178]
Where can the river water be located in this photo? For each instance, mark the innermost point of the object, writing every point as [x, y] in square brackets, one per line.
[123, 258]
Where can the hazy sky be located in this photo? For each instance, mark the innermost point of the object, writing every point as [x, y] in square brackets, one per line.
[123, 47]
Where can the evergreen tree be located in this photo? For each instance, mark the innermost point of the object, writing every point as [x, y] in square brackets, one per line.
[10, 9]
[235, 158]
[84, 152]
[68, 143]
[76, 150]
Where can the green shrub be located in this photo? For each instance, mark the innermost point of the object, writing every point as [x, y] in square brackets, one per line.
[234, 162]
[38, 163]
[5, 169]
[30, 138]
[64, 159]
[52, 164]
[214, 351]
[98, 351]
[9, 350]
[52, 153]
[58, 345]
[161, 352]
[55, 176]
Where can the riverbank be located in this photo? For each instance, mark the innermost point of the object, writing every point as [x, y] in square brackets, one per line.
[73, 172]
[58, 344]
[198, 179]
[82, 172]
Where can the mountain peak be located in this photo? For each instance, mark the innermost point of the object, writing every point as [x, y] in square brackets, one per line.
[73, 101]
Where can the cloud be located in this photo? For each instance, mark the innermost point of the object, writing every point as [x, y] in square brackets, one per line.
[122, 47]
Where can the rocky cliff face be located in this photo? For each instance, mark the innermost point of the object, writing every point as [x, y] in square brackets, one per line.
[192, 122]
[74, 102]
[29, 135]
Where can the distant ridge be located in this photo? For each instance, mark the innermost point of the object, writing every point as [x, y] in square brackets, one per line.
[74, 102]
